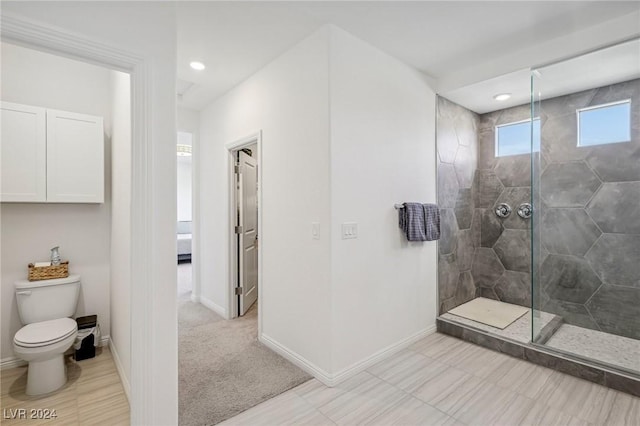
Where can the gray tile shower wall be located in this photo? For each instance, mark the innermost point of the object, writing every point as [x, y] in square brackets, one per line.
[589, 214]
[502, 265]
[480, 254]
[589, 223]
[457, 144]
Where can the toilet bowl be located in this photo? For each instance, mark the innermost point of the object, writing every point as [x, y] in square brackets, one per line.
[45, 307]
[43, 345]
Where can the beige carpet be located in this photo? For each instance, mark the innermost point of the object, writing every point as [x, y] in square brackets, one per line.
[491, 312]
[223, 369]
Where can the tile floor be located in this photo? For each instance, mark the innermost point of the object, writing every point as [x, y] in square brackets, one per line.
[593, 344]
[617, 351]
[92, 396]
[442, 380]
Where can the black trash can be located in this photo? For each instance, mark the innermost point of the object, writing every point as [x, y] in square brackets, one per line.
[87, 348]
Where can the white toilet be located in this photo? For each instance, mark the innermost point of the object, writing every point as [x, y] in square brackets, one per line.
[45, 307]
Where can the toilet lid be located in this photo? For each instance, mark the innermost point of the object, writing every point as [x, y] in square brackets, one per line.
[45, 332]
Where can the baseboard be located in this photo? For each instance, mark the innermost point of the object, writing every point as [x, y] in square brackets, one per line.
[337, 378]
[213, 306]
[104, 340]
[13, 362]
[382, 354]
[297, 360]
[195, 298]
[120, 369]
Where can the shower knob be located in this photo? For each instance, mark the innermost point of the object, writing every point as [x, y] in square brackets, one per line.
[525, 210]
[503, 210]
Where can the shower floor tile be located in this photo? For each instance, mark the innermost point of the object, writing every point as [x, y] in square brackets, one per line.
[592, 344]
[519, 330]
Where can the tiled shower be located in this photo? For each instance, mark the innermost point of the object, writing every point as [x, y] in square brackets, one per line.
[577, 259]
[479, 253]
[589, 227]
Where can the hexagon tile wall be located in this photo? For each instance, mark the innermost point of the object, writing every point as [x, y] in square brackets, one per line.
[590, 217]
[590, 214]
[457, 158]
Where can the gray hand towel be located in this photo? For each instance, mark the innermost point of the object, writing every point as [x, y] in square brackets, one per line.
[411, 220]
[432, 221]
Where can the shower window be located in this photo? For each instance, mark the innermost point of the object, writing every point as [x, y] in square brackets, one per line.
[515, 138]
[604, 124]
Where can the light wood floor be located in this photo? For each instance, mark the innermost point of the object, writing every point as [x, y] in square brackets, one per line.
[441, 380]
[92, 396]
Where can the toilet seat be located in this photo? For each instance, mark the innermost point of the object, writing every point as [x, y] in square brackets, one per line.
[45, 333]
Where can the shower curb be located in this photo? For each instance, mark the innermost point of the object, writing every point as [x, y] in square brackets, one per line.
[608, 377]
[549, 330]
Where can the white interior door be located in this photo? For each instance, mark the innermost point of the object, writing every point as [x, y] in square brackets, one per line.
[248, 235]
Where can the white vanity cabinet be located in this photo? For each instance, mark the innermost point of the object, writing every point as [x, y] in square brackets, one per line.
[51, 156]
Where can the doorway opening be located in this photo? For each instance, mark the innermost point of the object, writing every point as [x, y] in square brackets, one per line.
[244, 216]
[67, 179]
[184, 209]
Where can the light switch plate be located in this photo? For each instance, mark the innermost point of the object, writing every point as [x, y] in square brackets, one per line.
[315, 230]
[349, 230]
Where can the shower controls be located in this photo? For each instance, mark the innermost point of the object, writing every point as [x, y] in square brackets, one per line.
[503, 210]
[525, 210]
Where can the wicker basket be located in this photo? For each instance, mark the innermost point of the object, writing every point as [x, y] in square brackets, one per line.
[48, 272]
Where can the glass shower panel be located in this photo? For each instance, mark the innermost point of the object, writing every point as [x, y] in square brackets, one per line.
[536, 294]
[585, 178]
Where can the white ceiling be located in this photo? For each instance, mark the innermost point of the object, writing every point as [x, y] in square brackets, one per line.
[603, 67]
[478, 97]
[612, 65]
[236, 39]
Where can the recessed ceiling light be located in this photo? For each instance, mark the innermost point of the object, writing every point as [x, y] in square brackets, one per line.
[502, 96]
[198, 66]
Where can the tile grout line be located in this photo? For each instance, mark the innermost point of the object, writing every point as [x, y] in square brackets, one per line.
[504, 388]
[413, 396]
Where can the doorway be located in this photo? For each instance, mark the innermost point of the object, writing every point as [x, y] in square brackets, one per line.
[244, 217]
[74, 171]
[184, 208]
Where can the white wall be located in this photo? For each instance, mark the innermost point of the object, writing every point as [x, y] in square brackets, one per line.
[121, 223]
[81, 230]
[347, 132]
[147, 30]
[382, 153]
[189, 121]
[288, 101]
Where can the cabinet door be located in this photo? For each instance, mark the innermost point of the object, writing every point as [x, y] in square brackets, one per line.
[75, 158]
[23, 153]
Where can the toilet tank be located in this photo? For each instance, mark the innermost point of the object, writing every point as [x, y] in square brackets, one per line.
[47, 299]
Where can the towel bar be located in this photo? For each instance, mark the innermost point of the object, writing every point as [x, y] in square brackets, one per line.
[398, 206]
